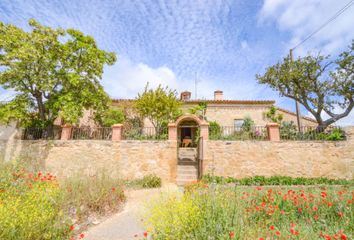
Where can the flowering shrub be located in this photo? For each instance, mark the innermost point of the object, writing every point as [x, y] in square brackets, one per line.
[224, 212]
[29, 206]
[38, 206]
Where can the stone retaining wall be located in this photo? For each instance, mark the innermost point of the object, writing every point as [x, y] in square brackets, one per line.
[125, 159]
[292, 158]
[134, 159]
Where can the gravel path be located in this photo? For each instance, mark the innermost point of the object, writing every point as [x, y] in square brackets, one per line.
[127, 223]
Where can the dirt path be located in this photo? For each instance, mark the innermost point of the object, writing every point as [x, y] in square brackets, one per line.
[127, 223]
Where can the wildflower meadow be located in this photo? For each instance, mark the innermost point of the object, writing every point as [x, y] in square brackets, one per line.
[212, 211]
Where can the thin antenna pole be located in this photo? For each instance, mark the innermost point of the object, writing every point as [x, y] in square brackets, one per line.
[195, 85]
[298, 113]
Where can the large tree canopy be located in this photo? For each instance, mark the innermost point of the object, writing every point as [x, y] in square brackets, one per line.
[54, 72]
[320, 85]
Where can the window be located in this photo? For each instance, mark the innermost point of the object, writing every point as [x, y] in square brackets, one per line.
[238, 123]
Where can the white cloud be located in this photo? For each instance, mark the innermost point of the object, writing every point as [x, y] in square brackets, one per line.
[300, 18]
[244, 44]
[126, 79]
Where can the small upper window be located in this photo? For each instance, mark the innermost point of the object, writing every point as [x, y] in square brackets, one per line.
[238, 123]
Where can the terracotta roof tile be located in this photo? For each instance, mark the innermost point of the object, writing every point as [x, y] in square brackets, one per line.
[213, 101]
[294, 114]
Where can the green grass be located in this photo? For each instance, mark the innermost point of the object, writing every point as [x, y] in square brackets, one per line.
[276, 180]
[240, 212]
[148, 181]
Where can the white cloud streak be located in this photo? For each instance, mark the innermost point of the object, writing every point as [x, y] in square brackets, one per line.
[300, 18]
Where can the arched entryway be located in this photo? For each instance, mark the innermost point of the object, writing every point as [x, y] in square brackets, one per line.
[190, 131]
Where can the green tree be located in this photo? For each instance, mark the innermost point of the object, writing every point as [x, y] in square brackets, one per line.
[54, 72]
[273, 115]
[159, 105]
[110, 116]
[320, 85]
[200, 109]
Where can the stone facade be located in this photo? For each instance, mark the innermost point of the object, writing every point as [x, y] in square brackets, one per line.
[225, 112]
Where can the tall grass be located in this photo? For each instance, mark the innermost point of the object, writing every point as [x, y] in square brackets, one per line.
[35, 205]
[83, 196]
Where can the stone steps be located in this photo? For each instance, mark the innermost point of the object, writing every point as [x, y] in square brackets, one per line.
[187, 168]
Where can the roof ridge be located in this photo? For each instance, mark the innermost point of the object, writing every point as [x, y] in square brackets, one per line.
[293, 113]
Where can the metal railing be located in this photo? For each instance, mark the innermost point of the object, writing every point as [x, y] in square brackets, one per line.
[145, 133]
[49, 133]
[330, 133]
[238, 133]
[92, 133]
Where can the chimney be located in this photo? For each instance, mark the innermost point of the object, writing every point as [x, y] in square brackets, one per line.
[218, 95]
[185, 96]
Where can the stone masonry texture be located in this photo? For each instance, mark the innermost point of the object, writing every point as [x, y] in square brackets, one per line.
[131, 159]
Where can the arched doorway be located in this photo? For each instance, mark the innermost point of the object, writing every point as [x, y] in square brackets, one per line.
[190, 132]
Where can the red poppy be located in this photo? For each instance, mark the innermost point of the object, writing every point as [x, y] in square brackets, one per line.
[340, 214]
[72, 227]
[81, 236]
[231, 234]
[271, 227]
[343, 236]
[113, 189]
[277, 233]
[316, 217]
[261, 239]
[323, 194]
[330, 204]
[145, 234]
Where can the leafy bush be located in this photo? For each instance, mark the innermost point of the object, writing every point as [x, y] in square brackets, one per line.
[214, 130]
[273, 115]
[222, 212]
[148, 181]
[275, 180]
[110, 117]
[288, 130]
[247, 124]
[336, 134]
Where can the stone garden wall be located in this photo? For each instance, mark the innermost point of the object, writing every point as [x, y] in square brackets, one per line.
[134, 159]
[124, 159]
[292, 158]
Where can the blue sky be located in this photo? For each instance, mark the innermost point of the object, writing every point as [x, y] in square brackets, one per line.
[222, 43]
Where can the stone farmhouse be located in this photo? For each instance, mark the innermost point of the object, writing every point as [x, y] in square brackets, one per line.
[225, 112]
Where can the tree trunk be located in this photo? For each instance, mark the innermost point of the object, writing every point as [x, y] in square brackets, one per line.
[321, 127]
[41, 109]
